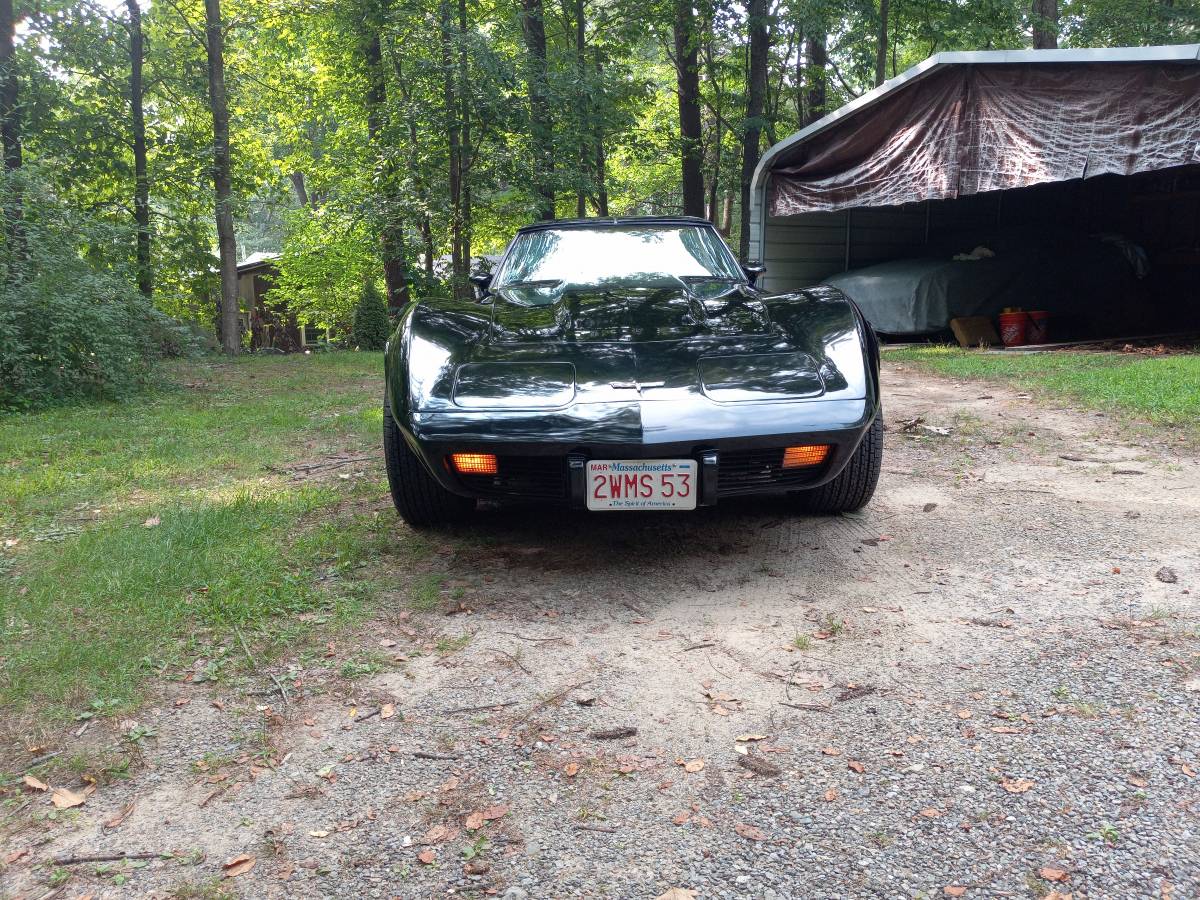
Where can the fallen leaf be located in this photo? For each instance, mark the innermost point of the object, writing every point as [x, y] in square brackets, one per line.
[387, 642]
[681, 818]
[693, 765]
[427, 857]
[677, 894]
[831, 751]
[1005, 729]
[121, 816]
[495, 812]
[474, 821]
[64, 799]
[964, 714]
[1052, 874]
[571, 769]
[387, 710]
[831, 795]
[749, 832]
[35, 783]
[856, 766]
[152, 522]
[1056, 895]
[1138, 781]
[319, 833]
[954, 890]
[1017, 785]
[239, 865]
[15, 855]
[440, 834]
[930, 813]
[1187, 770]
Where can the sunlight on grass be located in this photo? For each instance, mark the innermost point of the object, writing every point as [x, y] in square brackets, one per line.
[93, 602]
[1162, 389]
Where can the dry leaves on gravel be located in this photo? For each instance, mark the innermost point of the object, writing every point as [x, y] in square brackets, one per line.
[239, 865]
[954, 890]
[676, 893]
[1016, 785]
[1050, 873]
[691, 765]
[65, 799]
[749, 832]
[36, 784]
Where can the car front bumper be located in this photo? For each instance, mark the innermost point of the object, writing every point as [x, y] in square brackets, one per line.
[544, 457]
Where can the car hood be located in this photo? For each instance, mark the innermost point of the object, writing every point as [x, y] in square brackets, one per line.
[531, 349]
[628, 314]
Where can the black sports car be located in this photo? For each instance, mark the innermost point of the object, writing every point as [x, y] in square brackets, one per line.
[629, 364]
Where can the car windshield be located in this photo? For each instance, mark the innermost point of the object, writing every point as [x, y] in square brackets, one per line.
[617, 257]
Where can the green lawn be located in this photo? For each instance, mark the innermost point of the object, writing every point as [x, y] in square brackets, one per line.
[1164, 390]
[140, 537]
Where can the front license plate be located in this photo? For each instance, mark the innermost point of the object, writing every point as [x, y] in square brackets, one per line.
[641, 484]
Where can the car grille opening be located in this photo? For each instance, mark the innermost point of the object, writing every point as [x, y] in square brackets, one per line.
[749, 471]
[529, 477]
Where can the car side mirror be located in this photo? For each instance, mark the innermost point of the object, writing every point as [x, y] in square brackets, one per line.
[482, 281]
[753, 270]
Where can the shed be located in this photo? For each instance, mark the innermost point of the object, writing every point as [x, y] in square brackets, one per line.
[271, 323]
[1076, 173]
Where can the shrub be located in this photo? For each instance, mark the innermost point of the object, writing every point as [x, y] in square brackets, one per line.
[71, 323]
[371, 324]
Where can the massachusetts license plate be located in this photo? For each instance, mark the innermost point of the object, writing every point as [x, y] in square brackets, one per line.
[641, 484]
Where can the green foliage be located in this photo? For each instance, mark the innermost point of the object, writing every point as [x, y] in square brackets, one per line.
[71, 323]
[371, 324]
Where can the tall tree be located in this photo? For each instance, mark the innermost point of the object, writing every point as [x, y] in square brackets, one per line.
[222, 171]
[881, 44]
[451, 81]
[1045, 24]
[814, 78]
[391, 227]
[137, 114]
[757, 11]
[533, 25]
[10, 113]
[466, 148]
[687, 77]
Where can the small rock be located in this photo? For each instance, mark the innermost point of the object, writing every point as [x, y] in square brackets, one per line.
[1166, 575]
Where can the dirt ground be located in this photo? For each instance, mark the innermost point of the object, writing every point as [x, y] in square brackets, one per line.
[987, 684]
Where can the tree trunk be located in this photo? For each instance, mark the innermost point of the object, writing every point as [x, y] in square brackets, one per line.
[881, 45]
[816, 61]
[727, 214]
[584, 105]
[465, 150]
[598, 124]
[687, 76]
[540, 125]
[449, 78]
[298, 184]
[222, 176]
[10, 114]
[10, 133]
[391, 232]
[1045, 24]
[141, 186]
[757, 11]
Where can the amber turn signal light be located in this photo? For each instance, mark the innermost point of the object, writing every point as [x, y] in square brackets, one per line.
[808, 455]
[474, 463]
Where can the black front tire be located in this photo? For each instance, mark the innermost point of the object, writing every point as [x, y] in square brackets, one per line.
[419, 499]
[854, 486]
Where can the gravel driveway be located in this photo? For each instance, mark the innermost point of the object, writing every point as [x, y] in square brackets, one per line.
[986, 685]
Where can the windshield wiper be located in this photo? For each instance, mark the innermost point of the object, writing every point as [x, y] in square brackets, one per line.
[544, 282]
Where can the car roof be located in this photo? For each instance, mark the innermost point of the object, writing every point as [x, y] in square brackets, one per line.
[552, 224]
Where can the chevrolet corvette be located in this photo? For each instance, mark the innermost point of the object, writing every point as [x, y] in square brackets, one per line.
[629, 364]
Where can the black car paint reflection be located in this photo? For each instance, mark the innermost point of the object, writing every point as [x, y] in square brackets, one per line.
[621, 371]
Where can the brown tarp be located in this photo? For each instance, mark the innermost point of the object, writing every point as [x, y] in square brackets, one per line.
[968, 129]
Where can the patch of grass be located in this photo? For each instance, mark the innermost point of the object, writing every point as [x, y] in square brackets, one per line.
[1164, 390]
[427, 593]
[139, 537]
[802, 642]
